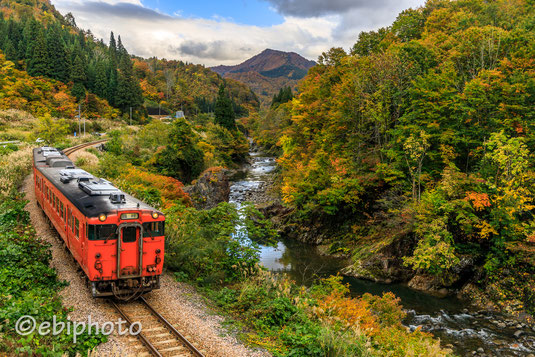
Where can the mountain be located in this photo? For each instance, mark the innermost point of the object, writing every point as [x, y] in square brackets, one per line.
[268, 71]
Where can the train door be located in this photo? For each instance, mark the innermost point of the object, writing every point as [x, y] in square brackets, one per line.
[130, 250]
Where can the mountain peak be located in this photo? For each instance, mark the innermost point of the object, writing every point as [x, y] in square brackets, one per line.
[270, 60]
[268, 71]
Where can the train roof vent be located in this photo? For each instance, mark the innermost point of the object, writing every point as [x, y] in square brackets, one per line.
[48, 151]
[69, 174]
[117, 198]
[97, 188]
[59, 162]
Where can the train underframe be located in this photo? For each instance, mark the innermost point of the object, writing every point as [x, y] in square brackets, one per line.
[126, 288]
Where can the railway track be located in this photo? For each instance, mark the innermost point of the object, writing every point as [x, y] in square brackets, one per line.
[82, 146]
[157, 334]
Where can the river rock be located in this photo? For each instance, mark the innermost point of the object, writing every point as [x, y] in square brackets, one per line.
[519, 333]
[210, 189]
[480, 350]
[425, 283]
[501, 325]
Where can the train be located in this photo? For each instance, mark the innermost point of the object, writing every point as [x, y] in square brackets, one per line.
[117, 240]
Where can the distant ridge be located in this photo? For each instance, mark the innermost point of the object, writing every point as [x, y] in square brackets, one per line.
[268, 71]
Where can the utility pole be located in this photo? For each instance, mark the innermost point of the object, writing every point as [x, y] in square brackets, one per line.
[130, 116]
[79, 116]
[84, 126]
[160, 109]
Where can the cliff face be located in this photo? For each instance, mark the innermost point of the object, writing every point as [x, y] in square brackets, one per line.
[269, 71]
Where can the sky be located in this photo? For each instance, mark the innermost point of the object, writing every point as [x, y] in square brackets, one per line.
[213, 32]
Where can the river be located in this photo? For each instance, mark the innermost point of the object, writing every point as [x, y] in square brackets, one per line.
[469, 332]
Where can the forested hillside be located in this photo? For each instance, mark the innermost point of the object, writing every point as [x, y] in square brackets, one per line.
[52, 50]
[176, 85]
[413, 153]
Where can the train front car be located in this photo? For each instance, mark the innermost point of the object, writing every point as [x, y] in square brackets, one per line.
[125, 251]
[117, 240]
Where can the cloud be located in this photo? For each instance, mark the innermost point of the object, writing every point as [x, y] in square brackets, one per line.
[316, 8]
[213, 41]
[118, 9]
[215, 50]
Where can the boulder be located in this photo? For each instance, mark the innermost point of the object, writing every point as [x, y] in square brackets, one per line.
[210, 189]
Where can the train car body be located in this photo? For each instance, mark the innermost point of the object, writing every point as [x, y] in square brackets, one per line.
[117, 240]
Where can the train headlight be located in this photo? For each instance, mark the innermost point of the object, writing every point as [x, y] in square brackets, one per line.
[102, 217]
[155, 215]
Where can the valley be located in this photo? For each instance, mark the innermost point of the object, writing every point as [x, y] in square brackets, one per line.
[376, 201]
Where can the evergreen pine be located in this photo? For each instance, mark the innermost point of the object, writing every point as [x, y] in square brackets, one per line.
[38, 63]
[129, 92]
[57, 55]
[224, 113]
[101, 80]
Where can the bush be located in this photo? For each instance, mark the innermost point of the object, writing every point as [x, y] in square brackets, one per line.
[29, 286]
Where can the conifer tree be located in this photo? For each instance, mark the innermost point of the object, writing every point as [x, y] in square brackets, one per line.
[38, 63]
[101, 80]
[78, 76]
[129, 92]
[224, 112]
[57, 56]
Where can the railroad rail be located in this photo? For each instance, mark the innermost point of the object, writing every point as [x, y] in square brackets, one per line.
[157, 334]
[82, 146]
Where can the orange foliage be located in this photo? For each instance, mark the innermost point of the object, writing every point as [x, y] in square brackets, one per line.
[336, 308]
[170, 190]
[480, 201]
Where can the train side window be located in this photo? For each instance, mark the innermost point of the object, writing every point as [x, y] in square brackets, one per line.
[62, 210]
[77, 227]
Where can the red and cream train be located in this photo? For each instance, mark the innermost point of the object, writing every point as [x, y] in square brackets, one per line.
[117, 240]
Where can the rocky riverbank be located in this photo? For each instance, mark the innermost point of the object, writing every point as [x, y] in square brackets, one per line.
[481, 330]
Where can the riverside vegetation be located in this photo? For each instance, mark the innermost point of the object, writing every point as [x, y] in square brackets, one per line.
[413, 153]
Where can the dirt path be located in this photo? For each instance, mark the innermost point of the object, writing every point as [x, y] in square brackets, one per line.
[177, 302]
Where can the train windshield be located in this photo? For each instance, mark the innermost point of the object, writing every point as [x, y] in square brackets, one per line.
[102, 232]
[153, 229]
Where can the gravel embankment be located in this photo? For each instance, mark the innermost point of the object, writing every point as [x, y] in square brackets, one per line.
[177, 302]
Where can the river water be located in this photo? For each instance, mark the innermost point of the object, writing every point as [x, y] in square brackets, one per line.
[469, 332]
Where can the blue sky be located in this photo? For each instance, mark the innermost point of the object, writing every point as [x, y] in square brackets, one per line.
[213, 32]
[246, 12]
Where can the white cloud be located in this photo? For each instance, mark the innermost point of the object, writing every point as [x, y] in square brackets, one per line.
[146, 32]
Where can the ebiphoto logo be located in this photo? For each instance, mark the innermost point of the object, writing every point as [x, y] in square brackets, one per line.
[27, 325]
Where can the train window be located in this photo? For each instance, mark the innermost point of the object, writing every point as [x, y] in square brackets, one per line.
[62, 210]
[153, 229]
[77, 227]
[102, 232]
[129, 234]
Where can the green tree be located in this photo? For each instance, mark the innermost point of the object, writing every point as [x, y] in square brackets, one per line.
[52, 130]
[224, 112]
[101, 80]
[181, 158]
[38, 63]
[57, 55]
